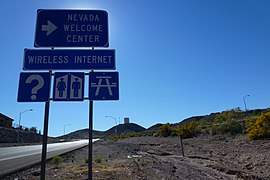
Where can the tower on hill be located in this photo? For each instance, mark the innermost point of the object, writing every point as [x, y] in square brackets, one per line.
[126, 120]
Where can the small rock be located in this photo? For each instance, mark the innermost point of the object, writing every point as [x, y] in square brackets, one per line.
[36, 173]
[174, 169]
[211, 152]
[248, 166]
[231, 172]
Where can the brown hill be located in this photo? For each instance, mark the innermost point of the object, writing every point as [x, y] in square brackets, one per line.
[121, 129]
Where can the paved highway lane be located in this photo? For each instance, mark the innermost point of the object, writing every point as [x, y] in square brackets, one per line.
[15, 158]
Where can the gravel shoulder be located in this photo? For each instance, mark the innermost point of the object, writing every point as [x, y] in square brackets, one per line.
[161, 158]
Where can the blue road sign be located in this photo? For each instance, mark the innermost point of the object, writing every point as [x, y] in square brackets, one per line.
[34, 87]
[103, 86]
[44, 59]
[68, 86]
[71, 28]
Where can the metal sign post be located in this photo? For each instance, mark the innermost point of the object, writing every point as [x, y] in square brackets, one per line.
[90, 146]
[182, 146]
[45, 140]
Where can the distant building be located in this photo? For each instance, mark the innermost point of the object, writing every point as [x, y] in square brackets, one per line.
[126, 120]
[5, 121]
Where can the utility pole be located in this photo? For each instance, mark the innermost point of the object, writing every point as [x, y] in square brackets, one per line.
[115, 124]
[65, 128]
[244, 124]
[244, 98]
[18, 138]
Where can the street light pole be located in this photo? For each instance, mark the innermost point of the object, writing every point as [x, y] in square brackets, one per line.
[244, 124]
[65, 128]
[115, 124]
[18, 139]
[244, 98]
[21, 116]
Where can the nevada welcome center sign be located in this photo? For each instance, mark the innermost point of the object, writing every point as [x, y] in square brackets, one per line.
[71, 28]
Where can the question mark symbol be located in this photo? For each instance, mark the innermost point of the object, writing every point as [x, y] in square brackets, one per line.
[39, 85]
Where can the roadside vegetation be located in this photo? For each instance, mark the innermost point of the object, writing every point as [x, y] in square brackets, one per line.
[259, 129]
[115, 138]
[255, 124]
[57, 160]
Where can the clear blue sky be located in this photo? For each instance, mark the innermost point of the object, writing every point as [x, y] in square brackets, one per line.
[176, 59]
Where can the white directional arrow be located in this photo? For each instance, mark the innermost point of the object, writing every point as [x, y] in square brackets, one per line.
[49, 27]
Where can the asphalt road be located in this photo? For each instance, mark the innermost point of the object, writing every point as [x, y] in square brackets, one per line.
[15, 158]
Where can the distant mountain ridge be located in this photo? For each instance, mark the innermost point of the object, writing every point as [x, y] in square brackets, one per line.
[125, 129]
[121, 129]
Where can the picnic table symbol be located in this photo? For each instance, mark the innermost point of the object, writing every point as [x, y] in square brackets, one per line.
[109, 85]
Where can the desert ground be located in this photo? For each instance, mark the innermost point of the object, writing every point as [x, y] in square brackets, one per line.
[152, 158]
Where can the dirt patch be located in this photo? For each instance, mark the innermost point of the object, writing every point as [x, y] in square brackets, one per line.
[161, 158]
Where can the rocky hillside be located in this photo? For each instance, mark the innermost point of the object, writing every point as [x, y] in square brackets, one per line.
[124, 129]
[121, 129]
[82, 134]
[11, 135]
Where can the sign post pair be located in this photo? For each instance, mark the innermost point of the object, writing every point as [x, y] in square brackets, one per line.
[69, 28]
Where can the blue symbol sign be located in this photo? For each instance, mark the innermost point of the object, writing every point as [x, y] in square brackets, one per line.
[45, 59]
[103, 86]
[68, 86]
[71, 28]
[34, 87]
